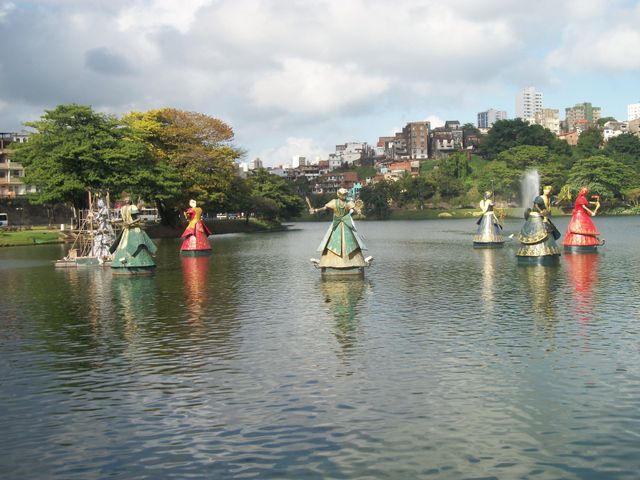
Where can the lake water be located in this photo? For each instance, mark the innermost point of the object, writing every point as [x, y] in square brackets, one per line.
[445, 362]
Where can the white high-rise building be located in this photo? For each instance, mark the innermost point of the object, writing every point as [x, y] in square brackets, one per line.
[633, 111]
[488, 118]
[528, 102]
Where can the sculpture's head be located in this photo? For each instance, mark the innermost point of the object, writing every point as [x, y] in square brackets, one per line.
[488, 194]
[547, 189]
[342, 193]
[192, 203]
[584, 190]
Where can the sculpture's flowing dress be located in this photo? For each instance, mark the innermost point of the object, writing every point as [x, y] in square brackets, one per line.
[581, 231]
[134, 251]
[489, 229]
[341, 246]
[538, 235]
[196, 233]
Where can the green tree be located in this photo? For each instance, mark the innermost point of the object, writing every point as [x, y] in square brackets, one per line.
[273, 197]
[74, 150]
[525, 156]
[445, 185]
[604, 176]
[506, 134]
[624, 148]
[554, 174]
[419, 191]
[455, 165]
[500, 178]
[589, 143]
[191, 148]
[376, 200]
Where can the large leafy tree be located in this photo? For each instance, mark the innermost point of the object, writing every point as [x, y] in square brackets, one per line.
[624, 148]
[74, 150]
[191, 148]
[525, 156]
[604, 176]
[589, 143]
[273, 197]
[376, 199]
[500, 178]
[506, 134]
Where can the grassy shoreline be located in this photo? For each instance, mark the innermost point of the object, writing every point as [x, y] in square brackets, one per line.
[46, 236]
[35, 236]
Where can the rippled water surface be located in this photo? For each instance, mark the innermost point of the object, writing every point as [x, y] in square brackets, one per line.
[445, 362]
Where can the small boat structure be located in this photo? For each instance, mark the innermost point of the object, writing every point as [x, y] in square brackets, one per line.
[92, 240]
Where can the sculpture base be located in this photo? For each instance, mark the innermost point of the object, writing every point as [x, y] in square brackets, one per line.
[81, 262]
[541, 260]
[581, 249]
[488, 244]
[195, 253]
[337, 272]
[133, 270]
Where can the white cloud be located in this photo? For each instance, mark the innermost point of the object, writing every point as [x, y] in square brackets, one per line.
[285, 71]
[313, 88]
[5, 10]
[150, 15]
[599, 36]
[283, 154]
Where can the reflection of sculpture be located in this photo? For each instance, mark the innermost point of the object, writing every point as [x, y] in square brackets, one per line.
[488, 286]
[582, 234]
[489, 233]
[538, 235]
[582, 273]
[539, 281]
[194, 271]
[341, 246]
[195, 235]
[104, 236]
[342, 297]
[133, 248]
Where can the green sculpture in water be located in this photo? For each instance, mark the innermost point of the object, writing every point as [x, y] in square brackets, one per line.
[341, 246]
[133, 249]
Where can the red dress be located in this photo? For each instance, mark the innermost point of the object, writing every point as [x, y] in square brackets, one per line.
[581, 231]
[196, 233]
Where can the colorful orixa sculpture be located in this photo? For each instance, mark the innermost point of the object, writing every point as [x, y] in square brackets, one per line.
[538, 235]
[341, 247]
[582, 234]
[489, 233]
[133, 249]
[195, 235]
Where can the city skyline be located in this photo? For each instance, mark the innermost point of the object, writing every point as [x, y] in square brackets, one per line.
[293, 78]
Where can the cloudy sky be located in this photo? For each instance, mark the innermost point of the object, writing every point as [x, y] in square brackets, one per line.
[297, 77]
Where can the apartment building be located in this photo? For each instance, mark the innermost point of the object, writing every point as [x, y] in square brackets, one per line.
[549, 118]
[579, 113]
[528, 102]
[633, 111]
[12, 173]
[488, 118]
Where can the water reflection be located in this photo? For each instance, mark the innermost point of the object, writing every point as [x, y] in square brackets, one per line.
[488, 288]
[194, 271]
[540, 282]
[582, 276]
[341, 297]
[134, 298]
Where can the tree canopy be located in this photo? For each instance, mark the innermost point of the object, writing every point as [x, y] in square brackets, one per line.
[74, 150]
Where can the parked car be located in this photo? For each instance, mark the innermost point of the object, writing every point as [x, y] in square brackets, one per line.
[4, 220]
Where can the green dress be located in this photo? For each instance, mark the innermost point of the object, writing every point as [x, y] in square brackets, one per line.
[341, 246]
[134, 252]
